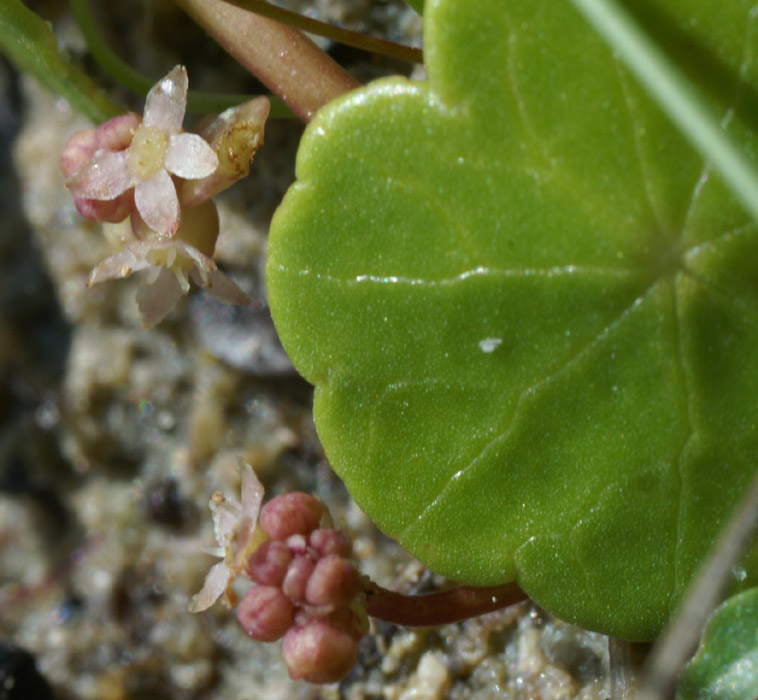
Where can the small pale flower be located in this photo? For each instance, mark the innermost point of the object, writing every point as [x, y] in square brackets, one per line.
[158, 149]
[171, 262]
[234, 526]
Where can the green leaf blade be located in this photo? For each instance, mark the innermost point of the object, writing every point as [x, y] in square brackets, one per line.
[506, 284]
[726, 665]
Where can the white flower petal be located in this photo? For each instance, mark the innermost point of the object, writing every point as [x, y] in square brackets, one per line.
[201, 261]
[241, 545]
[157, 299]
[167, 101]
[223, 289]
[226, 514]
[189, 156]
[153, 274]
[251, 490]
[116, 267]
[215, 584]
[104, 176]
[157, 203]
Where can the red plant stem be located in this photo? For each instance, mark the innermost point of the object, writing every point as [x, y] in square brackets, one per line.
[442, 607]
[281, 57]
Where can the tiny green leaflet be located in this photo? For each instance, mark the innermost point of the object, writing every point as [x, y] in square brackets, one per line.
[530, 309]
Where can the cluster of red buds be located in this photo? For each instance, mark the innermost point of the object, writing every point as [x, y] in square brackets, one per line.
[306, 589]
[308, 592]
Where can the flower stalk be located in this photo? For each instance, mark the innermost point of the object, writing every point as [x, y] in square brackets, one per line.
[442, 607]
[281, 57]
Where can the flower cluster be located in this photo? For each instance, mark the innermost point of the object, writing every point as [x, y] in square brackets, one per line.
[307, 590]
[154, 182]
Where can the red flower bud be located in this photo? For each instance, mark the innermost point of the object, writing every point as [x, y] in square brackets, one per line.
[265, 613]
[296, 578]
[334, 580]
[319, 652]
[327, 541]
[290, 514]
[268, 564]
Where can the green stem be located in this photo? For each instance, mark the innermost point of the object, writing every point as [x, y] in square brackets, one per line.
[126, 75]
[338, 34]
[28, 42]
[282, 58]
[675, 95]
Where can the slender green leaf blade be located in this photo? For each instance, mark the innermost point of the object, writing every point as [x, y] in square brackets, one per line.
[27, 40]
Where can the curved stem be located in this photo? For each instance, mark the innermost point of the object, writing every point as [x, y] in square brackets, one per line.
[129, 77]
[329, 31]
[440, 608]
[281, 57]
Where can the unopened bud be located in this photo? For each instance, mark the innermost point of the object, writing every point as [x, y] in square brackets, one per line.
[114, 135]
[334, 580]
[235, 135]
[327, 541]
[293, 513]
[268, 564]
[319, 652]
[265, 613]
[296, 578]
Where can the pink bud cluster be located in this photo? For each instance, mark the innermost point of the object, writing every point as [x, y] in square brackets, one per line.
[308, 592]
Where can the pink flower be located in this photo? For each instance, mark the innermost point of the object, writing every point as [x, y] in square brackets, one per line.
[171, 261]
[158, 149]
[114, 135]
[234, 524]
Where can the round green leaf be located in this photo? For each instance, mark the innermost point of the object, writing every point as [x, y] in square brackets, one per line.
[529, 309]
[726, 665]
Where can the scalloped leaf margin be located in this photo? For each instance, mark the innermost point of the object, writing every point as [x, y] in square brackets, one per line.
[530, 310]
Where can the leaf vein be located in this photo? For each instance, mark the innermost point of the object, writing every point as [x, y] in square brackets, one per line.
[636, 130]
[685, 370]
[523, 397]
[479, 271]
[705, 172]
